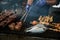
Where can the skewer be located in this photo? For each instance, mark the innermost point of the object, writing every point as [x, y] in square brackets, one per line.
[24, 17]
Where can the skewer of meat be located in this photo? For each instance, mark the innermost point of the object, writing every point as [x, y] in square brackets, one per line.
[4, 16]
[8, 20]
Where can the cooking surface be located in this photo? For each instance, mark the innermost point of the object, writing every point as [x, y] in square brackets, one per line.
[14, 35]
[21, 37]
[46, 35]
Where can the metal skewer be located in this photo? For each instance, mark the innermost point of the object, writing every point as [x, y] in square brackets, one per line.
[24, 17]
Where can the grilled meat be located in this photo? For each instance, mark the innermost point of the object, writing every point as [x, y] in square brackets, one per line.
[18, 26]
[11, 26]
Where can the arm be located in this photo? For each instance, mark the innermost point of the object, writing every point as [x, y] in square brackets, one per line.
[29, 2]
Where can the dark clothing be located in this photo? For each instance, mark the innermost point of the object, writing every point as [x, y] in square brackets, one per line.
[36, 11]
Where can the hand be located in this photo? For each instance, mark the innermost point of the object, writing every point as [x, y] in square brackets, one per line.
[27, 7]
[41, 2]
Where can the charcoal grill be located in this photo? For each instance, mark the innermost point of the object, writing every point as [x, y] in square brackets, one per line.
[47, 34]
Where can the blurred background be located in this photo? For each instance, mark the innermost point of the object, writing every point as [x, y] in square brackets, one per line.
[11, 4]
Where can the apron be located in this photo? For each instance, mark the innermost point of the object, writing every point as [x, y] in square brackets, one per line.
[36, 11]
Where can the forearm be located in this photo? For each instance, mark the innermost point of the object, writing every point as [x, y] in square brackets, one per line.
[29, 2]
